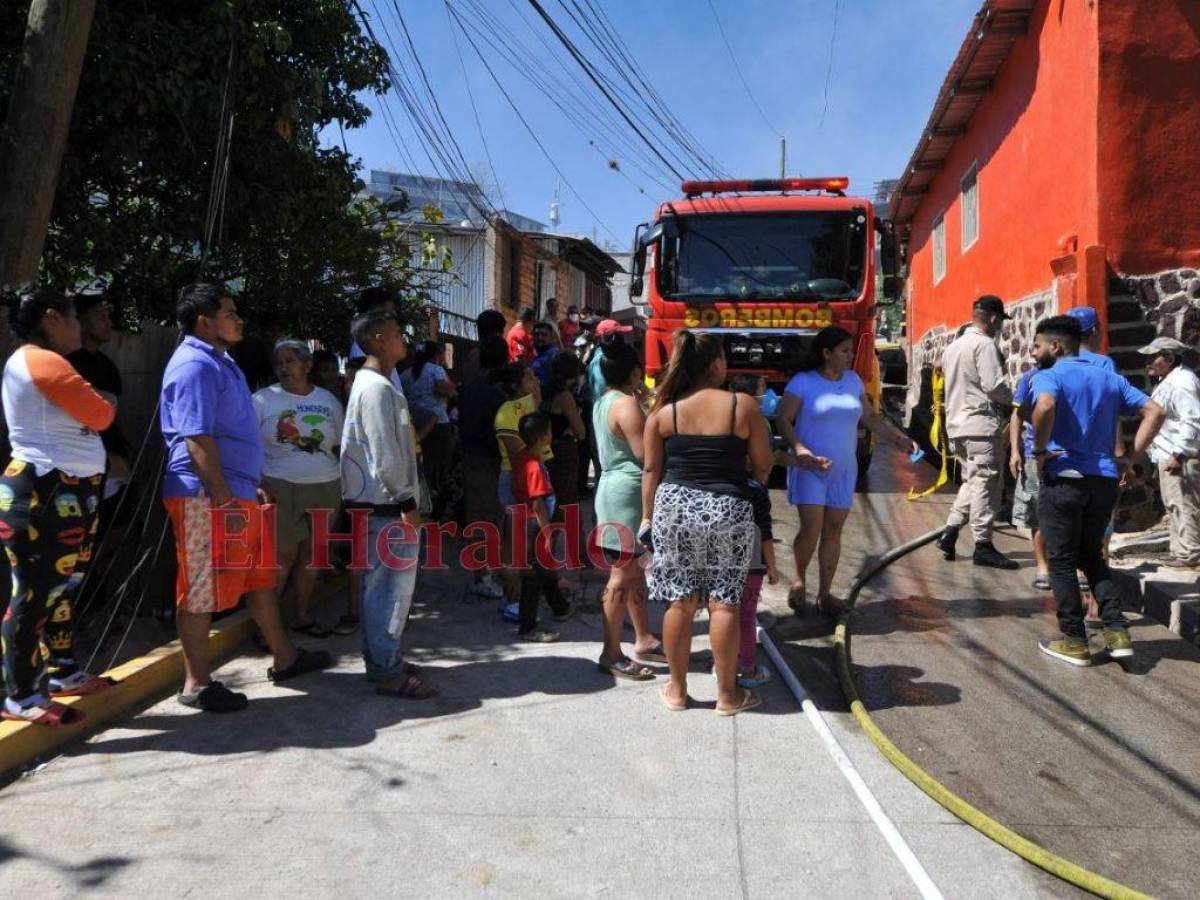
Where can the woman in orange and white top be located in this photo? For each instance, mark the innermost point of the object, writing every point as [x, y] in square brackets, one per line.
[49, 494]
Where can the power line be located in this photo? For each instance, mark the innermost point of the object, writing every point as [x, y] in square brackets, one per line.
[829, 68]
[645, 91]
[587, 98]
[737, 68]
[500, 39]
[571, 48]
[633, 97]
[474, 109]
[429, 88]
[637, 152]
[441, 148]
[529, 128]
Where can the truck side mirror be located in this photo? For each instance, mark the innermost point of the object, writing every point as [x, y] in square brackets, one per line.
[643, 237]
[637, 262]
[888, 261]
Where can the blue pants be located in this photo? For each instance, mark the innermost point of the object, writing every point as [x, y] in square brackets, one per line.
[387, 597]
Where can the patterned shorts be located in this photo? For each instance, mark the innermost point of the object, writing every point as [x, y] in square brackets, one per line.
[702, 545]
[220, 558]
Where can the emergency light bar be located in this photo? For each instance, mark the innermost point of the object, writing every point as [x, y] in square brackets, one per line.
[834, 185]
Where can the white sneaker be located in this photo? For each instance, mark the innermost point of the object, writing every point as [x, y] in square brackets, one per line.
[488, 587]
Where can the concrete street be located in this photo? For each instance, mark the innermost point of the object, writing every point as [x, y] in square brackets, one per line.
[534, 774]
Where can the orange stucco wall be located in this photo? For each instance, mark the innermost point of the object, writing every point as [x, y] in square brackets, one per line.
[1149, 134]
[1034, 138]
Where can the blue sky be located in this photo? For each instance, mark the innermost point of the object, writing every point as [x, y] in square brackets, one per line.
[889, 58]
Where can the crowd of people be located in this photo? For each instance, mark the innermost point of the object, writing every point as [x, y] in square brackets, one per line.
[1070, 457]
[258, 484]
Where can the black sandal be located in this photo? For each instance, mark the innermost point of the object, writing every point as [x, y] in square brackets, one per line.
[306, 661]
[214, 697]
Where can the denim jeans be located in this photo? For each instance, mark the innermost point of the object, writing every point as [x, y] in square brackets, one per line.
[1074, 514]
[387, 597]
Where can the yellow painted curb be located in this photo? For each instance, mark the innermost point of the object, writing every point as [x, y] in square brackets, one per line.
[137, 681]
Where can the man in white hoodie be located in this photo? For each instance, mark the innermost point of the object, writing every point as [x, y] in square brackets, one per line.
[380, 475]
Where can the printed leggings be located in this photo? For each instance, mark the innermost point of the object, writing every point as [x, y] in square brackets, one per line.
[47, 524]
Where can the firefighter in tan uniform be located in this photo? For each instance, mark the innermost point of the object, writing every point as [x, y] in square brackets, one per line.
[978, 399]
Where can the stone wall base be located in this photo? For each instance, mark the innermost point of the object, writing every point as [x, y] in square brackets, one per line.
[1141, 308]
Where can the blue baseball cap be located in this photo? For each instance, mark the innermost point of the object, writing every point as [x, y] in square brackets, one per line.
[1086, 317]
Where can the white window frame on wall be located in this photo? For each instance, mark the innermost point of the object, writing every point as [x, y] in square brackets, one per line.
[939, 237]
[972, 176]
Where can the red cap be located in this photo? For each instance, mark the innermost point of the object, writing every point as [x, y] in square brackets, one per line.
[612, 326]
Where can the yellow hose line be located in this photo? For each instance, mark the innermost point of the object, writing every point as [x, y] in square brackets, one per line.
[936, 435]
[1005, 837]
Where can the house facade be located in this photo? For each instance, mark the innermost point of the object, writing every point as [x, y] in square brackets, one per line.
[504, 261]
[1059, 168]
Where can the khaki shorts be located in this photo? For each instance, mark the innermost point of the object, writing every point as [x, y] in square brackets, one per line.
[293, 501]
[1024, 511]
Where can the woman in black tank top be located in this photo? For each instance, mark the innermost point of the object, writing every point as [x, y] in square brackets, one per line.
[701, 522]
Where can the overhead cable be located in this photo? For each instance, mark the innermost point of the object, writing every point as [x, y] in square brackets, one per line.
[516, 110]
[586, 66]
[737, 68]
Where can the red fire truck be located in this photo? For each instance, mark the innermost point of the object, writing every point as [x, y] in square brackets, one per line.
[765, 264]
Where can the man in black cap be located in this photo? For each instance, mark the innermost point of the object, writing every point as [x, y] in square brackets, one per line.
[978, 397]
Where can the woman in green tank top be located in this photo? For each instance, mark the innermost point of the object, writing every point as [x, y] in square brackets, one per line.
[618, 420]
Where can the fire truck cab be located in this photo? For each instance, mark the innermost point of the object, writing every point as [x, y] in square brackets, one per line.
[765, 264]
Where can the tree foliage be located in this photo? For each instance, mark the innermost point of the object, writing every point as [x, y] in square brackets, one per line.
[297, 235]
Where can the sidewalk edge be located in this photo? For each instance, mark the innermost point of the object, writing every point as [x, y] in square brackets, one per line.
[137, 680]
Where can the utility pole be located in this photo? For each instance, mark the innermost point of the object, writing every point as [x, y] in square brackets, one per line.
[35, 131]
[783, 157]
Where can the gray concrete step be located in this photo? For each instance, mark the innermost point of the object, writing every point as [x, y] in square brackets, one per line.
[1170, 597]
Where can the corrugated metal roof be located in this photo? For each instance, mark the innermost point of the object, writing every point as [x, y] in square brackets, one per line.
[995, 28]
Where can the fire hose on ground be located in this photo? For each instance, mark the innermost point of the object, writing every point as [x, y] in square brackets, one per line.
[1005, 837]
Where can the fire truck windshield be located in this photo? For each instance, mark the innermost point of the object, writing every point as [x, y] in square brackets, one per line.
[765, 256]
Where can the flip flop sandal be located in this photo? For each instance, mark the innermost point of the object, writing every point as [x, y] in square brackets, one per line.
[673, 705]
[656, 654]
[407, 687]
[749, 701]
[1041, 583]
[53, 715]
[627, 669]
[79, 685]
[761, 675]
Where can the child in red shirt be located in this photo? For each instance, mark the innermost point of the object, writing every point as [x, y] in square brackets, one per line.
[534, 492]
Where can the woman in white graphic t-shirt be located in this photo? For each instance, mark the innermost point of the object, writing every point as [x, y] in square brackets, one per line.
[301, 429]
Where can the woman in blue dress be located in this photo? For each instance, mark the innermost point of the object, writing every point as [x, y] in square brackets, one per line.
[819, 416]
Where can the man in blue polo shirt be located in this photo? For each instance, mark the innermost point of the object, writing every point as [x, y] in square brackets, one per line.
[1076, 411]
[1020, 436]
[224, 542]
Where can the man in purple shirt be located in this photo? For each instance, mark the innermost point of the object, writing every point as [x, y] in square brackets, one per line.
[224, 543]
